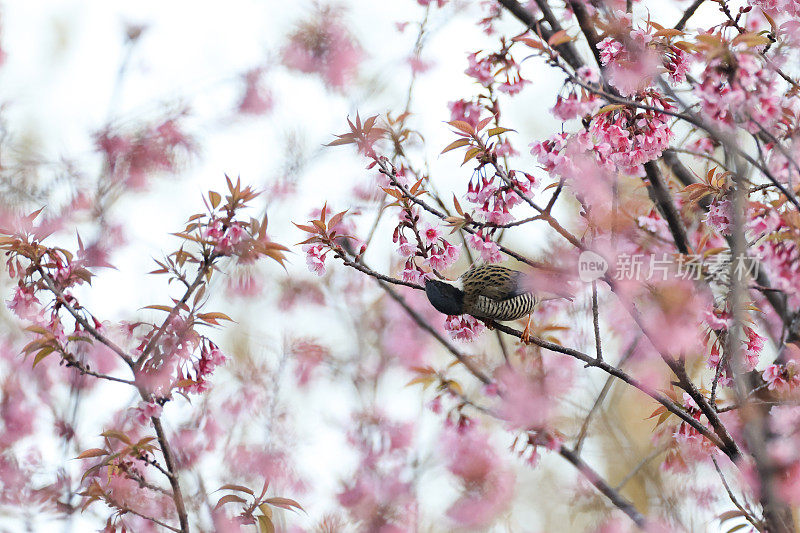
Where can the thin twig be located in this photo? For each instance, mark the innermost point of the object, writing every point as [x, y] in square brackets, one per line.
[377, 275]
[596, 322]
[177, 495]
[630, 380]
[688, 14]
[649, 457]
[600, 484]
[755, 523]
[584, 431]
[51, 285]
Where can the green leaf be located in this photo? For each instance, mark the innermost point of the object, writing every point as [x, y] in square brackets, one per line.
[44, 352]
[455, 144]
[215, 198]
[497, 131]
[93, 452]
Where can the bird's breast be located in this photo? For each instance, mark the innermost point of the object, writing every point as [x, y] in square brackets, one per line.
[509, 309]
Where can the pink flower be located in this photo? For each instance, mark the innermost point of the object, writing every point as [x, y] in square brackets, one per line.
[719, 216]
[572, 107]
[133, 157]
[147, 410]
[677, 63]
[256, 99]
[315, 258]
[753, 347]
[703, 145]
[24, 304]
[232, 236]
[589, 74]
[480, 69]
[463, 327]
[466, 111]
[782, 377]
[411, 273]
[488, 249]
[431, 234]
[308, 356]
[610, 49]
[717, 319]
[488, 485]
[418, 65]
[524, 403]
[324, 46]
[405, 248]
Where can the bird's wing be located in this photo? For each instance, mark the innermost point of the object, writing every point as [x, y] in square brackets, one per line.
[493, 281]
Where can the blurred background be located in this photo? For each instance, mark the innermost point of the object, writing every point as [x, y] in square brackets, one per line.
[168, 98]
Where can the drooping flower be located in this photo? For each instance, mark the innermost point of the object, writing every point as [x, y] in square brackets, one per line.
[463, 327]
[315, 258]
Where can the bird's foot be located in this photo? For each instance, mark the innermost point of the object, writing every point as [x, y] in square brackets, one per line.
[526, 333]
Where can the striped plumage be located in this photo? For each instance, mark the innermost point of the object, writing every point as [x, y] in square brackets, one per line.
[496, 293]
[490, 292]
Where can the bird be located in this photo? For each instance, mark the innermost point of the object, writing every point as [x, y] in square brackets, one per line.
[488, 292]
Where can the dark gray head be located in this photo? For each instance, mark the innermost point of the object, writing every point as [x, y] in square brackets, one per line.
[445, 297]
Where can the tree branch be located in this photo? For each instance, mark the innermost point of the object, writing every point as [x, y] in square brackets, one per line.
[177, 495]
[600, 484]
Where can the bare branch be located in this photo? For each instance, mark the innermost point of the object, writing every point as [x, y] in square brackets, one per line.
[600, 484]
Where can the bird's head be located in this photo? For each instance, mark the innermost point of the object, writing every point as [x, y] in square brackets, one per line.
[445, 297]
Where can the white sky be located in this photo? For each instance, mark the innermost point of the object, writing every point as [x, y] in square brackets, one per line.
[57, 83]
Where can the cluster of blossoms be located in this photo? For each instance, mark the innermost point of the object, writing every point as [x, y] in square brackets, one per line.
[131, 158]
[779, 252]
[465, 111]
[379, 494]
[778, 8]
[783, 423]
[257, 99]
[25, 304]
[753, 344]
[633, 58]
[146, 410]
[432, 249]
[336, 234]
[630, 137]
[120, 481]
[485, 246]
[719, 216]
[629, 67]
[170, 362]
[496, 70]
[324, 46]
[315, 258]
[736, 89]
[463, 327]
[494, 199]
[488, 486]
[785, 377]
[574, 106]
[619, 139]
[654, 223]
[210, 358]
[781, 166]
[686, 435]
[225, 236]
